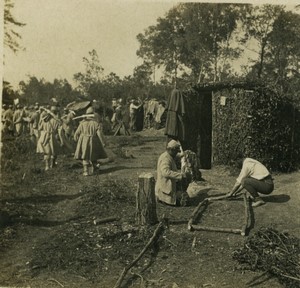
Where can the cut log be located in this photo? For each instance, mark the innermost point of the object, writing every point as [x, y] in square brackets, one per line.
[158, 231]
[196, 212]
[216, 229]
[105, 220]
[145, 200]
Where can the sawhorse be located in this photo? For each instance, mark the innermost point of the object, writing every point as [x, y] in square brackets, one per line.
[121, 125]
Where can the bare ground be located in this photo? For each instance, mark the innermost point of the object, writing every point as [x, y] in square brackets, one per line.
[50, 235]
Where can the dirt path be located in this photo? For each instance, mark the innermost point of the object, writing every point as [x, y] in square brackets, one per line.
[52, 240]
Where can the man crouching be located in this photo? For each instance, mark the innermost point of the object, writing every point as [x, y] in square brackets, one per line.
[167, 175]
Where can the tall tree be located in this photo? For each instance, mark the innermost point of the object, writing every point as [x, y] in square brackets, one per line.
[34, 90]
[11, 36]
[258, 24]
[161, 43]
[112, 84]
[93, 73]
[194, 38]
[142, 78]
[284, 53]
[8, 94]
[42, 91]
[209, 29]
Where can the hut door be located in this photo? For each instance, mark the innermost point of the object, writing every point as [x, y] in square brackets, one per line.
[205, 140]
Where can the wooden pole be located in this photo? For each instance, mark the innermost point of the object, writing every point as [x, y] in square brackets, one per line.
[216, 229]
[216, 198]
[247, 223]
[145, 200]
[195, 213]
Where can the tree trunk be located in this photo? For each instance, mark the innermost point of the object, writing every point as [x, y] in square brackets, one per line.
[145, 200]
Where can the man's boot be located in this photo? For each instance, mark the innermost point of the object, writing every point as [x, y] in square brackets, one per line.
[85, 170]
[52, 162]
[47, 167]
[91, 169]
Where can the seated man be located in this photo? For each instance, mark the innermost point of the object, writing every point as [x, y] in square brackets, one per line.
[255, 178]
[167, 175]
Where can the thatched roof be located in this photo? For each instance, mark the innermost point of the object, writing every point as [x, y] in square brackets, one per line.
[246, 85]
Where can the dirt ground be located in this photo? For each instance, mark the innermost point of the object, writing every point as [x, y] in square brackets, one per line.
[50, 234]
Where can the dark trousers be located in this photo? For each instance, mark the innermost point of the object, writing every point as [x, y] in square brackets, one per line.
[254, 186]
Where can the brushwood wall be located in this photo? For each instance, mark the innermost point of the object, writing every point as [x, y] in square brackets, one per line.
[256, 123]
[224, 123]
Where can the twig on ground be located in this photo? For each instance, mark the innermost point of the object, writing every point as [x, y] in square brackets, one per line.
[158, 231]
[54, 280]
[169, 241]
[139, 275]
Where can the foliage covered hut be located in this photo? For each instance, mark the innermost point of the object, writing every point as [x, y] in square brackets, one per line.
[226, 120]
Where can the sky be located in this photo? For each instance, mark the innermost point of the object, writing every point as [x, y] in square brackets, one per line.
[59, 33]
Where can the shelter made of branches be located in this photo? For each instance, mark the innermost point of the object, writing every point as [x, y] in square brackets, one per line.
[228, 120]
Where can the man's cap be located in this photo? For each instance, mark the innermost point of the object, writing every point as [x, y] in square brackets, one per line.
[173, 144]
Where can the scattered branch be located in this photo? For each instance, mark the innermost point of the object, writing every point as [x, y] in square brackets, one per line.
[158, 231]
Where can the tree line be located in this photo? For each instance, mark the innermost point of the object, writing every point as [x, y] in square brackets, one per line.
[193, 43]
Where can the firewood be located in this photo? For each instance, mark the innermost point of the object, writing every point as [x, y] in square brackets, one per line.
[196, 212]
[105, 220]
[216, 229]
[216, 198]
[158, 231]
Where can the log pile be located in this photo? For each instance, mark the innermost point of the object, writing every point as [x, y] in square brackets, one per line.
[274, 253]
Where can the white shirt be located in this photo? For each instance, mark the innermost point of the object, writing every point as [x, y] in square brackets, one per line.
[254, 169]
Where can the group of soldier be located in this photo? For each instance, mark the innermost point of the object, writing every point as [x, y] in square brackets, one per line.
[49, 127]
[138, 115]
[57, 130]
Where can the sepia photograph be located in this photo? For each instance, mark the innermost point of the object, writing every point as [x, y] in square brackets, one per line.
[150, 144]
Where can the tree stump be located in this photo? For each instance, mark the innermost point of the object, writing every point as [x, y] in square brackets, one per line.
[145, 200]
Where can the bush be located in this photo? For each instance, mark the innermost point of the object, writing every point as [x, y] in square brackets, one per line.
[260, 124]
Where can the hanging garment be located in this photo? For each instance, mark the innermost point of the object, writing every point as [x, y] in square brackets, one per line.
[175, 124]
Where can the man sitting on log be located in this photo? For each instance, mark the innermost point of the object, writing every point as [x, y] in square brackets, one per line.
[255, 178]
[166, 189]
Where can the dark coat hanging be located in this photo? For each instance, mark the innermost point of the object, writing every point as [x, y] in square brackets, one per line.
[175, 123]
